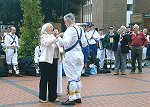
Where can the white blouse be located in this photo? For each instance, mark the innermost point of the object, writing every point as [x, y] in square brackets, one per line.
[47, 48]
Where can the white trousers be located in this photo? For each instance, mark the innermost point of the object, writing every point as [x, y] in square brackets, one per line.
[73, 64]
[144, 53]
[59, 78]
[129, 55]
[101, 56]
[11, 57]
[110, 54]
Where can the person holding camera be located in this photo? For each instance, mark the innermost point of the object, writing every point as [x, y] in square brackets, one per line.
[121, 48]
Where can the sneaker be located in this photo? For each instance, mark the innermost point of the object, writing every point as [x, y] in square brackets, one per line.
[78, 100]
[68, 103]
[56, 100]
[42, 101]
[18, 75]
[140, 72]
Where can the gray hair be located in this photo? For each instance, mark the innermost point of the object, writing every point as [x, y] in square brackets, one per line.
[12, 27]
[144, 29]
[44, 27]
[136, 26]
[123, 28]
[118, 31]
[70, 17]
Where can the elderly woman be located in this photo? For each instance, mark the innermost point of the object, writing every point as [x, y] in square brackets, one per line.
[48, 62]
[121, 48]
[73, 61]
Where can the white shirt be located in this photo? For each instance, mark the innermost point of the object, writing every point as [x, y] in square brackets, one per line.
[90, 34]
[9, 40]
[37, 53]
[70, 38]
[148, 38]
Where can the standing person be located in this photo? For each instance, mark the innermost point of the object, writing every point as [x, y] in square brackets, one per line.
[144, 52]
[129, 32]
[59, 70]
[108, 42]
[92, 37]
[48, 63]
[137, 42]
[73, 61]
[121, 48]
[11, 44]
[60, 66]
[101, 50]
[86, 52]
[37, 53]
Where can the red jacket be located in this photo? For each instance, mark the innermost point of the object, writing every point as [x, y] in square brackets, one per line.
[138, 39]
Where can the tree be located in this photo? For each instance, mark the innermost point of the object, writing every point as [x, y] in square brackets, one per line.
[10, 11]
[53, 9]
[75, 5]
[32, 21]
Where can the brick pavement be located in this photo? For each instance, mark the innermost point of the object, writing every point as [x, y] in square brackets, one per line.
[101, 90]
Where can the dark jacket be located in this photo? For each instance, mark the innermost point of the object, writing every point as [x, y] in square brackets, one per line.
[124, 43]
[106, 41]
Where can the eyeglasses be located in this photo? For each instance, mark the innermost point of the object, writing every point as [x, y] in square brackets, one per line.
[135, 28]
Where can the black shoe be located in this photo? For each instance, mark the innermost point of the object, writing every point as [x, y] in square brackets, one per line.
[78, 100]
[68, 103]
[132, 72]
[112, 68]
[18, 75]
[116, 73]
[140, 72]
[10, 74]
[37, 75]
[85, 75]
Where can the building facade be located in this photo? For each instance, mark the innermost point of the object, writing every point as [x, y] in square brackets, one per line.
[141, 14]
[105, 13]
[129, 11]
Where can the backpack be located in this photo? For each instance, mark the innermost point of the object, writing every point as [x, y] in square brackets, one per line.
[26, 66]
[3, 67]
[92, 70]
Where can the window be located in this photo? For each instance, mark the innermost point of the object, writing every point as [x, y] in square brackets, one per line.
[129, 7]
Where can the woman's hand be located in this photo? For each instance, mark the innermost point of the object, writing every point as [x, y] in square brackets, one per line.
[60, 35]
[56, 32]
